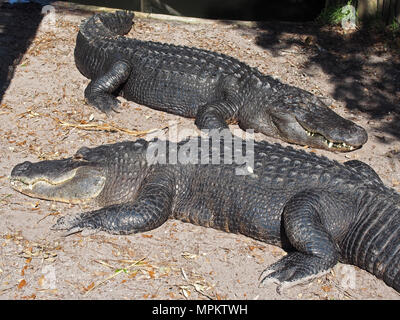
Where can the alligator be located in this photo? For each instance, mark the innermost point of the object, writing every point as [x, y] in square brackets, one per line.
[320, 211]
[213, 88]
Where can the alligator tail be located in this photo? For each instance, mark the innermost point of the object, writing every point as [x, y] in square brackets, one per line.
[107, 24]
[373, 243]
[93, 40]
[119, 22]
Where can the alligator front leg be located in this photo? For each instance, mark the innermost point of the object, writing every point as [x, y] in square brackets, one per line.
[315, 251]
[99, 91]
[149, 210]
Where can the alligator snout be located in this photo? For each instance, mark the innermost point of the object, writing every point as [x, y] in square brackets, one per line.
[358, 137]
[21, 168]
[347, 133]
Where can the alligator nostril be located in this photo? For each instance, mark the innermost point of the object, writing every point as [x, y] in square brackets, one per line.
[25, 165]
[22, 167]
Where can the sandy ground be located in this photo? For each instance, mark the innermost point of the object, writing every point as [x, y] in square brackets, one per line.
[42, 115]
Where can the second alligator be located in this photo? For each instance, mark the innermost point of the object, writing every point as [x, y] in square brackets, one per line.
[212, 88]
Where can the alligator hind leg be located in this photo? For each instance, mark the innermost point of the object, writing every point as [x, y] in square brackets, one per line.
[214, 116]
[99, 91]
[149, 210]
[315, 251]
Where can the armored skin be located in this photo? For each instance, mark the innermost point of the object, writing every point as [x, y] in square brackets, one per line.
[319, 210]
[212, 88]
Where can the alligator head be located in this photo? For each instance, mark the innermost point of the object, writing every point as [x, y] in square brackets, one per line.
[91, 174]
[297, 116]
[68, 180]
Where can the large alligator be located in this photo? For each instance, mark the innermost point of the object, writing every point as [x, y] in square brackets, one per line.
[317, 209]
[212, 88]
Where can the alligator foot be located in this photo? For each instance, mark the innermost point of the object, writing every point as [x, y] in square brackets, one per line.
[316, 252]
[76, 223]
[295, 268]
[105, 103]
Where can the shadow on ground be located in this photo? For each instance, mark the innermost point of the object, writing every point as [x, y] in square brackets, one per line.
[364, 72]
[362, 65]
[18, 26]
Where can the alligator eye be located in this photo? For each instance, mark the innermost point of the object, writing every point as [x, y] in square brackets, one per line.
[83, 150]
[78, 157]
[80, 154]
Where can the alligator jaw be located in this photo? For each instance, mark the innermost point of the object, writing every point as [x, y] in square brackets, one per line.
[77, 185]
[343, 136]
[331, 145]
[21, 182]
[32, 189]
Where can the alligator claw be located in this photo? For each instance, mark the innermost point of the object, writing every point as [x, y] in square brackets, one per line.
[106, 104]
[295, 268]
[74, 224]
[115, 107]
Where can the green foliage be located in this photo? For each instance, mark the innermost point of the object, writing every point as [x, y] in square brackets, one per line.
[333, 15]
[394, 27]
[377, 25]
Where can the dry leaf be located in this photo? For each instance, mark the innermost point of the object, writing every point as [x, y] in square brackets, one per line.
[395, 182]
[41, 281]
[23, 270]
[133, 274]
[185, 292]
[326, 288]
[151, 273]
[89, 287]
[188, 255]
[22, 284]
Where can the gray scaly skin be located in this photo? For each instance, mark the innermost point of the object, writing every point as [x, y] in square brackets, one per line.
[212, 88]
[320, 211]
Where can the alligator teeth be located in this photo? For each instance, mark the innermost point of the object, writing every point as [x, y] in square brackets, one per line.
[330, 143]
[338, 145]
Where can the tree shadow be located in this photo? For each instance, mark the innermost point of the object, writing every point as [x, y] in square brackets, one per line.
[18, 25]
[254, 10]
[364, 71]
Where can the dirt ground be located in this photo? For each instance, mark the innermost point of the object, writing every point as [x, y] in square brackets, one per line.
[43, 116]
